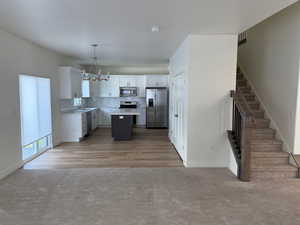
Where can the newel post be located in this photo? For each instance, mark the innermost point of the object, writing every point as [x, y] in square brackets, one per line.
[246, 149]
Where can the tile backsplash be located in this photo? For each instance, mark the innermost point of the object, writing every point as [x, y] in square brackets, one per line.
[69, 104]
[107, 105]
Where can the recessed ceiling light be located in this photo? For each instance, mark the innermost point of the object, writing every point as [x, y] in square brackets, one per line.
[155, 28]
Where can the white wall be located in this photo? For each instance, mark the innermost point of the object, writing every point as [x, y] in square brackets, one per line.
[18, 56]
[179, 61]
[208, 63]
[270, 60]
[211, 76]
[232, 164]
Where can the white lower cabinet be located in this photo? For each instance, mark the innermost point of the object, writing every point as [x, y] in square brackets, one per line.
[73, 126]
[105, 117]
[95, 119]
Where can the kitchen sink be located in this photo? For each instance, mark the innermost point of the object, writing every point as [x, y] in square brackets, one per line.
[85, 109]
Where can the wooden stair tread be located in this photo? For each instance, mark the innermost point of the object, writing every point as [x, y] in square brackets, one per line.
[270, 154]
[264, 130]
[262, 120]
[266, 141]
[257, 110]
[251, 94]
[267, 158]
[274, 168]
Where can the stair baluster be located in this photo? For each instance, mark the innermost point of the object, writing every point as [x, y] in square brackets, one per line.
[239, 137]
[257, 150]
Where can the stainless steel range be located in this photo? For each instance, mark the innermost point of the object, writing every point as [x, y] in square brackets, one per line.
[129, 105]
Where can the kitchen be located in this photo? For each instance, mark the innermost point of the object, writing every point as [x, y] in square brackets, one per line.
[115, 121]
[106, 98]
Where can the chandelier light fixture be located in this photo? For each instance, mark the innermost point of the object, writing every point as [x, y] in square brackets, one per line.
[95, 73]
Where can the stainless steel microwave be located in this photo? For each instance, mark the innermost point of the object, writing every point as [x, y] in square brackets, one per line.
[128, 91]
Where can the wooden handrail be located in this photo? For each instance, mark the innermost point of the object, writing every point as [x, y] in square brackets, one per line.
[296, 163]
[236, 98]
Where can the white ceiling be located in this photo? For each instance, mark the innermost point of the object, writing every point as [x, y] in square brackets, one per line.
[124, 26]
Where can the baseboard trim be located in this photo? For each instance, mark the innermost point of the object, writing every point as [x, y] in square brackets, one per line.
[195, 164]
[109, 126]
[104, 126]
[9, 170]
[273, 124]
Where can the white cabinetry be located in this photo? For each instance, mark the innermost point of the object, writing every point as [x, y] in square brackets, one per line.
[94, 88]
[90, 88]
[134, 81]
[73, 126]
[127, 81]
[105, 117]
[157, 80]
[109, 88]
[141, 85]
[94, 119]
[70, 83]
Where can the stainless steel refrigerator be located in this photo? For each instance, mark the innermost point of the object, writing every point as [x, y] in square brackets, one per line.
[157, 107]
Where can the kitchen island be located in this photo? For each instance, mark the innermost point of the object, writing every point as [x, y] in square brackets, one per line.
[122, 123]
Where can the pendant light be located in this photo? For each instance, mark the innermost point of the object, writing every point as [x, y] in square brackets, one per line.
[96, 73]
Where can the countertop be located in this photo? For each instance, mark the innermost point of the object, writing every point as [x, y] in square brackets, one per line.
[79, 110]
[126, 112]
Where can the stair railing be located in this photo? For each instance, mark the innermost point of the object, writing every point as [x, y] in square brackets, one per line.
[242, 124]
[296, 163]
[242, 38]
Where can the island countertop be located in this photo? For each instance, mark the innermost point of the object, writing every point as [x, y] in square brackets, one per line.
[125, 112]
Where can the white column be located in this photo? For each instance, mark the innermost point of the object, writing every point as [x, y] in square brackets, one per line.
[211, 75]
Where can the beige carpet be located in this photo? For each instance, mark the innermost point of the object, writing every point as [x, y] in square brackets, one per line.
[168, 196]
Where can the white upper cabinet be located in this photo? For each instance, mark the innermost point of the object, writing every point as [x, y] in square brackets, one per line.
[127, 81]
[70, 83]
[141, 85]
[109, 88]
[94, 89]
[134, 81]
[157, 80]
[90, 88]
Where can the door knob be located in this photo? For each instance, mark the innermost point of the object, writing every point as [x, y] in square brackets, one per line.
[176, 115]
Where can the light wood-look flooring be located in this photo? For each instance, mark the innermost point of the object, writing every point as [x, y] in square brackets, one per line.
[149, 148]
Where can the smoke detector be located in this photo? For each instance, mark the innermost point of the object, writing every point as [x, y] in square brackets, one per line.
[155, 29]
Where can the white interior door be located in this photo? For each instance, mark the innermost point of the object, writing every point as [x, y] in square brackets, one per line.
[171, 110]
[178, 115]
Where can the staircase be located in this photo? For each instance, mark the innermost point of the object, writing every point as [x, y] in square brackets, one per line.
[265, 156]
